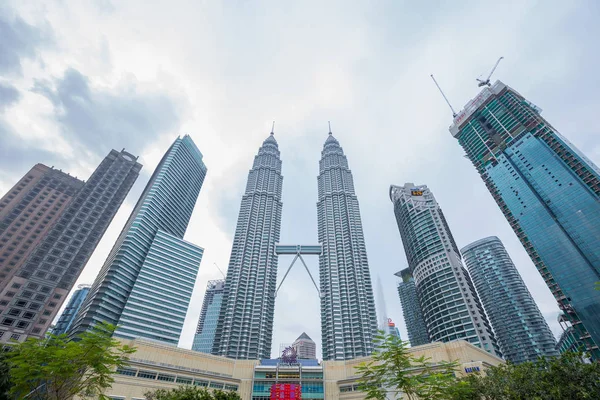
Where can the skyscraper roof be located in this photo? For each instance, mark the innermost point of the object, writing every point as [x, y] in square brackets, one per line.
[304, 336]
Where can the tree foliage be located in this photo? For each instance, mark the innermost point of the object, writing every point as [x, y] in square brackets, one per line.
[191, 393]
[559, 378]
[394, 372]
[56, 368]
[4, 377]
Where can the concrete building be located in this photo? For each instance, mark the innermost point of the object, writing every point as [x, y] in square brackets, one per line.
[70, 312]
[56, 221]
[411, 309]
[209, 316]
[549, 193]
[521, 330]
[348, 317]
[245, 326]
[158, 366]
[305, 347]
[450, 306]
[145, 284]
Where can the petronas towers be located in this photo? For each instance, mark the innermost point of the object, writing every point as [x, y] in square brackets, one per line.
[348, 319]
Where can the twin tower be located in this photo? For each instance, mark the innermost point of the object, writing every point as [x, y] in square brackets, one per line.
[348, 319]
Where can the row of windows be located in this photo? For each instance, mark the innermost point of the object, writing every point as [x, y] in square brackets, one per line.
[184, 380]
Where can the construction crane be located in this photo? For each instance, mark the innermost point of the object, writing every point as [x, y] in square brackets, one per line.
[486, 82]
[219, 270]
[445, 98]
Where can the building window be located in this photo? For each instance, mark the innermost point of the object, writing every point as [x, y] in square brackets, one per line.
[15, 336]
[7, 321]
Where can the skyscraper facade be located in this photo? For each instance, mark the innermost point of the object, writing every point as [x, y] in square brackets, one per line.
[521, 330]
[305, 347]
[245, 327]
[42, 281]
[450, 306]
[145, 284]
[348, 317]
[70, 312]
[548, 191]
[209, 316]
[411, 309]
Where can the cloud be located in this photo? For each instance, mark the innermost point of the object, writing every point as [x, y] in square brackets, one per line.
[8, 96]
[19, 40]
[99, 119]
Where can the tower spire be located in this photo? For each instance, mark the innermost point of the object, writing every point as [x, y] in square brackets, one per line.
[329, 122]
[273, 128]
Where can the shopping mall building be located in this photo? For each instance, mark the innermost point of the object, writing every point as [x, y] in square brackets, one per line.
[155, 366]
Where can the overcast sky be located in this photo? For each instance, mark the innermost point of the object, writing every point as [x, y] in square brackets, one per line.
[80, 77]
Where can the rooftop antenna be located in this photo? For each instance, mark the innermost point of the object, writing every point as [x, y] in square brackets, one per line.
[329, 122]
[445, 98]
[273, 128]
[486, 82]
[219, 270]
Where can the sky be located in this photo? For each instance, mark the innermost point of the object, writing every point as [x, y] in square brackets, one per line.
[78, 78]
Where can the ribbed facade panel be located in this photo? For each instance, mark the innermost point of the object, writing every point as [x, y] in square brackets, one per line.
[548, 191]
[520, 329]
[348, 317]
[163, 211]
[450, 306]
[245, 326]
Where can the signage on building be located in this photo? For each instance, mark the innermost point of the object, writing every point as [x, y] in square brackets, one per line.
[469, 370]
[472, 106]
[286, 391]
[289, 356]
[416, 192]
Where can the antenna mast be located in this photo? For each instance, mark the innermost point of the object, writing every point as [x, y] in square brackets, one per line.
[445, 98]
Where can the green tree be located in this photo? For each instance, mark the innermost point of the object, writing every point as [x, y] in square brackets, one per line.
[191, 393]
[4, 377]
[56, 368]
[559, 378]
[394, 372]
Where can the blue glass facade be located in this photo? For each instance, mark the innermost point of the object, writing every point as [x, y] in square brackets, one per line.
[520, 328]
[411, 309]
[549, 193]
[70, 312]
[209, 317]
[146, 282]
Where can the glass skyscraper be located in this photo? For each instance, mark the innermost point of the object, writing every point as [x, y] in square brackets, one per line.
[411, 309]
[145, 284]
[209, 316]
[245, 327]
[520, 329]
[70, 312]
[348, 318]
[449, 303]
[52, 223]
[548, 191]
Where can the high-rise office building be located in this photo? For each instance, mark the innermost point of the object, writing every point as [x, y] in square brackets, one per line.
[145, 284]
[450, 306]
[520, 329]
[348, 317]
[70, 312]
[245, 327]
[209, 316]
[72, 218]
[548, 191]
[391, 329]
[411, 309]
[305, 347]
